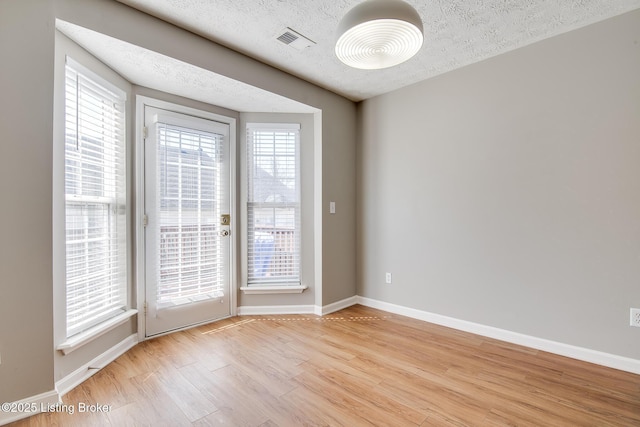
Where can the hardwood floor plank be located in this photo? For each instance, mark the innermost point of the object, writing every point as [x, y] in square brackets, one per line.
[336, 397]
[145, 413]
[437, 401]
[525, 401]
[109, 387]
[232, 393]
[187, 397]
[302, 407]
[357, 367]
[151, 390]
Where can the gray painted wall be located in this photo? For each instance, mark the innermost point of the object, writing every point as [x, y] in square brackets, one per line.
[26, 111]
[507, 193]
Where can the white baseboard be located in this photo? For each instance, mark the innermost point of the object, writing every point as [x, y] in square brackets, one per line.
[83, 373]
[33, 403]
[587, 355]
[339, 305]
[66, 384]
[263, 310]
[251, 310]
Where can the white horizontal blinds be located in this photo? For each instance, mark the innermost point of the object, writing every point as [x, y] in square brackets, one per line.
[273, 204]
[190, 186]
[95, 198]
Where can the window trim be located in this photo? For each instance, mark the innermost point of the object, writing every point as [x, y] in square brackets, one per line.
[69, 343]
[78, 340]
[273, 289]
[270, 287]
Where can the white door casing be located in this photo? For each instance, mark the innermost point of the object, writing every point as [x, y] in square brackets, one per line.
[188, 247]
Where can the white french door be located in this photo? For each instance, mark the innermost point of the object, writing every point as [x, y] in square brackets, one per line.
[187, 206]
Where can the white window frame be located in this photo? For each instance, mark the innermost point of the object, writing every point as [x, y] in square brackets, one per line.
[291, 284]
[121, 312]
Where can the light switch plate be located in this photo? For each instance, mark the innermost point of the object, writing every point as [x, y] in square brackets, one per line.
[635, 317]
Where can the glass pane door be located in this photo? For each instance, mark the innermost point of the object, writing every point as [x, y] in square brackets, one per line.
[187, 241]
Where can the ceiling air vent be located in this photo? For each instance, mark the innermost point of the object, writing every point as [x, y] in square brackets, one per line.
[294, 39]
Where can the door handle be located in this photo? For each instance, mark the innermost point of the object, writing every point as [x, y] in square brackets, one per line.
[225, 233]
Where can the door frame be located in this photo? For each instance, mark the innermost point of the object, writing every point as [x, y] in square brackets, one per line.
[140, 267]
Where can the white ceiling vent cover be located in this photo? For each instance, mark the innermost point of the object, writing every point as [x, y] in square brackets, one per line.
[294, 39]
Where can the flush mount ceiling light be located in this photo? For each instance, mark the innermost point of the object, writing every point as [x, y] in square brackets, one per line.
[379, 34]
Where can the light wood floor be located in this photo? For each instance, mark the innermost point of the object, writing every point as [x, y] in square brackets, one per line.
[357, 367]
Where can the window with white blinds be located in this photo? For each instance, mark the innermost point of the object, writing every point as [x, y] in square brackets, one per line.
[273, 204]
[191, 184]
[95, 200]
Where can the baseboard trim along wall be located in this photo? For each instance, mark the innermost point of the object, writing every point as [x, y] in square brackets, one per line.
[29, 406]
[265, 310]
[83, 373]
[339, 305]
[574, 352]
[47, 401]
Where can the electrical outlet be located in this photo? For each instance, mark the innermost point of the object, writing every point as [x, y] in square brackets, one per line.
[387, 277]
[635, 317]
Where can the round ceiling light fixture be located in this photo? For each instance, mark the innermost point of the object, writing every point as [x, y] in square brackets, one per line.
[378, 34]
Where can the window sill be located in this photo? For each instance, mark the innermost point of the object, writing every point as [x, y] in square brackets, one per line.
[77, 341]
[281, 289]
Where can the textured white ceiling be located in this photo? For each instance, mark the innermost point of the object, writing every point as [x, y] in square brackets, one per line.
[153, 70]
[457, 33]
